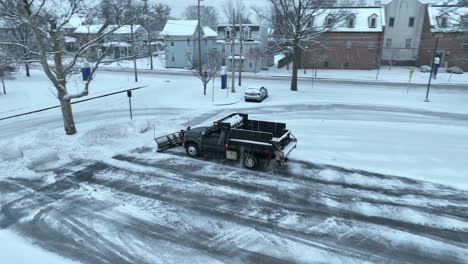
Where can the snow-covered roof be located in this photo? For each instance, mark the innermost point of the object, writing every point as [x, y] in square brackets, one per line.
[180, 28]
[126, 29]
[362, 19]
[116, 44]
[88, 29]
[94, 29]
[69, 39]
[208, 32]
[453, 16]
[236, 57]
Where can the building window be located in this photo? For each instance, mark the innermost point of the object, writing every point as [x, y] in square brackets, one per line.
[388, 42]
[325, 64]
[465, 45]
[373, 21]
[329, 20]
[408, 43]
[346, 65]
[247, 33]
[371, 45]
[223, 48]
[224, 61]
[464, 20]
[188, 42]
[443, 21]
[349, 44]
[206, 42]
[228, 33]
[310, 23]
[391, 22]
[411, 22]
[173, 58]
[350, 21]
[172, 43]
[250, 64]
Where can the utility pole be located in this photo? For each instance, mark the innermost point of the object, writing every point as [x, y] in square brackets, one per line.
[150, 46]
[199, 40]
[133, 52]
[241, 48]
[233, 61]
[432, 69]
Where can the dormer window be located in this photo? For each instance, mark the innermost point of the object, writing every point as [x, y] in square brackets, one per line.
[442, 20]
[247, 33]
[373, 21]
[228, 33]
[310, 23]
[350, 21]
[329, 20]
[464, 20]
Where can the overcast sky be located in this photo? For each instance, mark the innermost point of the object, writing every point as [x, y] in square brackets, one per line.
[179, 6]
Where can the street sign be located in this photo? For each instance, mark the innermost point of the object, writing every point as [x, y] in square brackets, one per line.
[129, 93]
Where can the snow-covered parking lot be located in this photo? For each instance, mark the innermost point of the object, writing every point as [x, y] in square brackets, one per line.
[379, 176]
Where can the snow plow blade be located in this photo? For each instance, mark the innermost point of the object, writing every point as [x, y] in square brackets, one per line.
[168, 141]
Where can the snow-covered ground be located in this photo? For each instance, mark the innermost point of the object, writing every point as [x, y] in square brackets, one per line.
[16, 250]
[353, 141]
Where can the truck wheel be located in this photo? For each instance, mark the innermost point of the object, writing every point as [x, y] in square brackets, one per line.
[192, 150]
[250, 161]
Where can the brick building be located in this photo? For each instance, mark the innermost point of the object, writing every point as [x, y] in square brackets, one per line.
[449, 24]
[353, 44]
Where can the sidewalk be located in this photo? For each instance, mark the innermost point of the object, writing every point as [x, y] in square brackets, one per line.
[386, 76]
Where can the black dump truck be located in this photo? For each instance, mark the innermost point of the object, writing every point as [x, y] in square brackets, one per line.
[238, 138]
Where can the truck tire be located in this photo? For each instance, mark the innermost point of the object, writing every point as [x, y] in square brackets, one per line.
[250, 162]
[192, 150]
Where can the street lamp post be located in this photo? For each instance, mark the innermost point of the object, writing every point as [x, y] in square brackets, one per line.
[432, 69]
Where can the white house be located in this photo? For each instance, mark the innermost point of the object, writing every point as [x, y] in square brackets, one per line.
[181, 42]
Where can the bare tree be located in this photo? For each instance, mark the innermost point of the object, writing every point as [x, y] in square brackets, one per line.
[49, 38]
[208, 17]
[240, 8]
[297, 25]
[210, 65]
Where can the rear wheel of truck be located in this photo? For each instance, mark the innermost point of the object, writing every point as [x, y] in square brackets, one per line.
[250, 161]
[192, 150]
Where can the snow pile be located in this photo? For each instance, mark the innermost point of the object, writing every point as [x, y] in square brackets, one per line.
[234, 121]
[10, 153]
[41, 156]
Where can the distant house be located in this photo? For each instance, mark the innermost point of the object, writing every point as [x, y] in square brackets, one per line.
[449, 24]
[181, 42]
[118, 43]
[254, 40]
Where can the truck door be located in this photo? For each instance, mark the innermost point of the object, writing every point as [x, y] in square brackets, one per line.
[214, 140]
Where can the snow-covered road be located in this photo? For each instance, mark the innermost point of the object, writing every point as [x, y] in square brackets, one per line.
[142, 207]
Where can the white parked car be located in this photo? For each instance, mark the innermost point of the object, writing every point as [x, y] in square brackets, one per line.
[256, 94]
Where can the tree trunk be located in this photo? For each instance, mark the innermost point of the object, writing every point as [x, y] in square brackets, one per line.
[296, 58]
[28, 74]
[3, 84]
[204, 88]
[67, 114]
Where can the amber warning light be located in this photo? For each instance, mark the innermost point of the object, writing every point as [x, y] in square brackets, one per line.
[215, 123]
